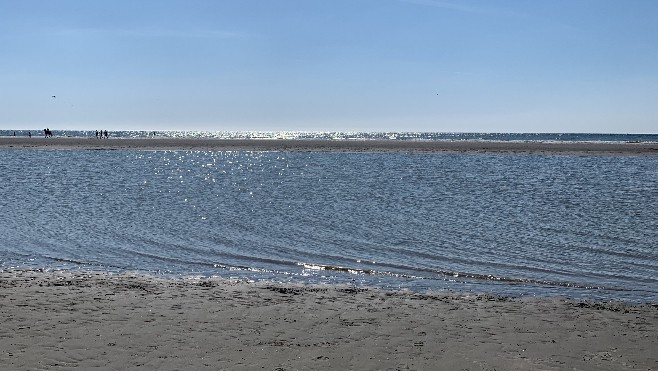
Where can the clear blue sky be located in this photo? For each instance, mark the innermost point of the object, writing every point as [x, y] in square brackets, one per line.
[353, 65]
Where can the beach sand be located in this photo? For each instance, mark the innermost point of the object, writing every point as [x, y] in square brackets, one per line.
[587, 148]
[57, 320]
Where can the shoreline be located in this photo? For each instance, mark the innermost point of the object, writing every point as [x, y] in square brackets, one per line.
[313, 145]
[124, 321]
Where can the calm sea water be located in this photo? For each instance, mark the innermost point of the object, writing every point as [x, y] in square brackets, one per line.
[576, 226]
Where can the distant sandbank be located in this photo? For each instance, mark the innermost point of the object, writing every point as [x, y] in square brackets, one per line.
[96, 320]
[311, 145]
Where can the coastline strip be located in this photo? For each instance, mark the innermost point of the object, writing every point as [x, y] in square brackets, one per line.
[311, 145]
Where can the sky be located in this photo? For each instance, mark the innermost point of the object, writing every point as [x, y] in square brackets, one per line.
[330, 65]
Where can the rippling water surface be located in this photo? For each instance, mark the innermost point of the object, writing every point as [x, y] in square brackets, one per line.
[584, 227]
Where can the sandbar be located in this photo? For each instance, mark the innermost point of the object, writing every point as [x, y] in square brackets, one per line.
[314, 145]
[86, 320]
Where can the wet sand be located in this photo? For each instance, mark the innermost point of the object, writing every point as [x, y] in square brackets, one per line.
[88, 320]
[644, 149]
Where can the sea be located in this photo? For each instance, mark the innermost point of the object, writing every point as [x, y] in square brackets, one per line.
[574, 226]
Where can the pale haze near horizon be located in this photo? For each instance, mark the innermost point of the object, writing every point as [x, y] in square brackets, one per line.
[342, 65]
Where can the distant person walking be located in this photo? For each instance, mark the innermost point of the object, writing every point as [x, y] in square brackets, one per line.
[29, 134]
[96, 134]
[106, 134]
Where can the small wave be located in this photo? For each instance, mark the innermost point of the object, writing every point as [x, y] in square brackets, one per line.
[457, 275]
[83, 263]
[353, 270]
[531, 281]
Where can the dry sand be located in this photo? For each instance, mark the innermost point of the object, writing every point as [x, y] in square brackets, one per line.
[647, 149]
[55, 320]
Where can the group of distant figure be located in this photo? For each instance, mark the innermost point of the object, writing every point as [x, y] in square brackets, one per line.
[47, 133]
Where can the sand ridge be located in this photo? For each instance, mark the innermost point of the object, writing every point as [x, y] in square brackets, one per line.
[312, 145]
[106, 321]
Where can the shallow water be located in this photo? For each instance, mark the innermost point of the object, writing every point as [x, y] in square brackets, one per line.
[583, 227]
